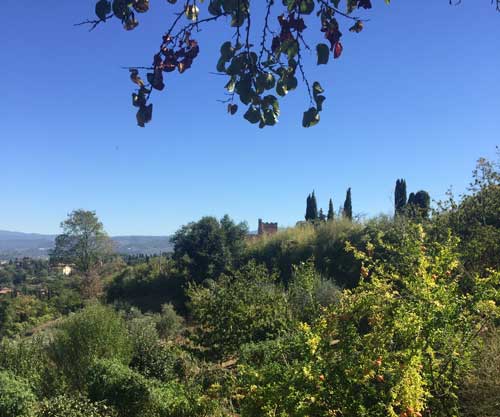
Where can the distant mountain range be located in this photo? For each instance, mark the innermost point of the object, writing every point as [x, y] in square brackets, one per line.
[34, 245]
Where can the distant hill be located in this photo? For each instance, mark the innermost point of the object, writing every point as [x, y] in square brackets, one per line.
[33, 245]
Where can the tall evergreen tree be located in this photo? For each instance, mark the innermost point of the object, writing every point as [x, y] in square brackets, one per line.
[400, 197]
[308, 208]
[314, 207]
[423, 202]
[419, 205]
[411, 199]
[330, 214]
[348, 205]
[322, 216]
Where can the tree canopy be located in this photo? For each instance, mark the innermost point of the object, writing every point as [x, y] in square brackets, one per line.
[83, 243]
[209, 247]
[263, 60]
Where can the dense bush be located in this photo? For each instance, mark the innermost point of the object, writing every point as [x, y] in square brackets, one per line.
[16, 398]
[475, 218]
[324, 242]
[149, 285]
[126, 390]
[169, 323]
[96, 332]
[395, 345]
[245, 307]
[302, 291]
[67, 406]
[154, 358]
[27, 359]
[480, 390]
[209, 247]
[20, 314]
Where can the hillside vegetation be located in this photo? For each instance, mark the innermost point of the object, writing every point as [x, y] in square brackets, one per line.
[393, 316]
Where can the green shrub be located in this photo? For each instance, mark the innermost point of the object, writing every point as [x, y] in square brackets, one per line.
[148, 286]
[119, 386]
[27, 358]
[325, 242]
[247, 307]
[396, 345]
[96, 332]
[169, 323]
[327, 293]
[154, 358]
[480, 393]
[182, 400]
[19, 315]
[66, 406]
[16, 397]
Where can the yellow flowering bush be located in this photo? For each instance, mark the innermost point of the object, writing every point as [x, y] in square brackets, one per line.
[397, 345]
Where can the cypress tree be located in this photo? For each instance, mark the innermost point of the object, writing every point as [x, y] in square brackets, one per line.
[411, 199]
[330, 214]
[423, 203]
[400, 197]
[314, 207]
[308, 208]
[419, 205]
[348, 205]
[322, 216]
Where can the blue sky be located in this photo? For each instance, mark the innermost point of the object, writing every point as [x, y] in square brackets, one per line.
[415, 95]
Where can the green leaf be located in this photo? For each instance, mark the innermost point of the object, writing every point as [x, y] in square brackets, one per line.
[252, 114]
[323, 53]
[144, 115]
[232, 108]
[227, 50]
[317, 89]
[291, 83]
[281, 89]
[236, 66]
[102, 9]
[270, 118]
[221, 65]
[121, 9]
[319, 102]
[273, 102]
[310, 118]
[293, 49]
[215, 7]
[351, 5]
[306, 6]
[230, 5]
[230, 85]
[265, 81]
[237, 19]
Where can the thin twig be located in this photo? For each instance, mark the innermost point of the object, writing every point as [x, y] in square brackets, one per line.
[94, 23]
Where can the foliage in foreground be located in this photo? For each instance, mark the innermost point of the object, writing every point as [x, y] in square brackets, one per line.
[261, 68]
[394, 346]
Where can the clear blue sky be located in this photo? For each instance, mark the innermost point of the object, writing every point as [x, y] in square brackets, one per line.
[416, 95]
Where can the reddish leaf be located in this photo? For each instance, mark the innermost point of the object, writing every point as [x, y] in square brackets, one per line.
[337, 50]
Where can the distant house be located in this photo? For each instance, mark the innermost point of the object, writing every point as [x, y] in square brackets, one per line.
[267, 228]
[66, 270]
